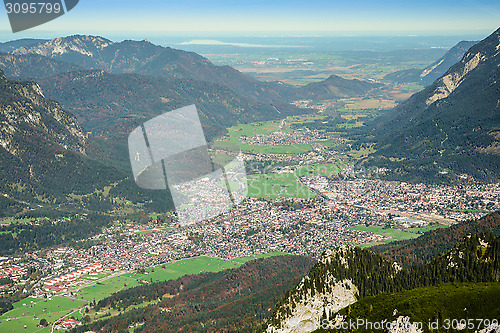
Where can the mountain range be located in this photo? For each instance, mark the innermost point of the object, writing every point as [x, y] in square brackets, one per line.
[449, 131]
[432, 72]
[109, 88]
[145, 58]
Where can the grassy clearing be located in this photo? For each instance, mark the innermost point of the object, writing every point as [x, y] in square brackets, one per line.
[105, 288]
[180, 268]
[324, 169]
[258, 256]
[30, 311]
[14, 220]
[393, 234]
[272, 186]
[361, 153]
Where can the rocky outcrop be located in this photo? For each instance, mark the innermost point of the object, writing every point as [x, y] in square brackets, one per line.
[23, 107]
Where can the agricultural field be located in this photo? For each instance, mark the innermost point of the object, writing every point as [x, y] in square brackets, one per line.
[30, 311]
[276, 149]
[258, 256]
[425, 229]
[27, 313]
[232, 142]
[369, 103]
[272, 186]
[393, 234]
[397, 234]
[323, 169]
[105, 288]
[179, 268]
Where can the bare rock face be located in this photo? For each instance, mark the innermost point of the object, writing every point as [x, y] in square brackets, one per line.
[24, 111]
[43, 149]
[306, 314]
[322, 293]
[439, 131]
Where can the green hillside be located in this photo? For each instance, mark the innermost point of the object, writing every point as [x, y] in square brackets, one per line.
[447, 305]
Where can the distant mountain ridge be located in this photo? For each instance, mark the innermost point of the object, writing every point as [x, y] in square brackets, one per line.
[15, 44]
[432, 72]
[33, 66]
[334, 87]
[145, 58]
[104, 101]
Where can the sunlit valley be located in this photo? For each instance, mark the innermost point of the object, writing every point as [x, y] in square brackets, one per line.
[372, 169]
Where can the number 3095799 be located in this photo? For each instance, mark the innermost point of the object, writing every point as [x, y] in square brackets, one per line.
[33, 8]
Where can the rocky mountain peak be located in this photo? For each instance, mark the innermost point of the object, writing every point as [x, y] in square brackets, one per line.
[488, 49]
[82, 44]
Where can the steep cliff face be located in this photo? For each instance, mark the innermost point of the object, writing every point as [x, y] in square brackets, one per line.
[43, 148]
[306, 312]
[478, 68]
[429, 74]
[24, 111]
[450, 130]
[486, 52]
[340, 278]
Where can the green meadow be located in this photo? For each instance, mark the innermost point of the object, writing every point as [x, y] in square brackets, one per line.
[183, 267]
[272, 186]
[323, 169]
[30, 311]
[394, 234]
[258, 256]
[105, 288]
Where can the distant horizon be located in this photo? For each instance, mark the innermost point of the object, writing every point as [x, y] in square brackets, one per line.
[273, 17]
[208, 43]
[42, 34]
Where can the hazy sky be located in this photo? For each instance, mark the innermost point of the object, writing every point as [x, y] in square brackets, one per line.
[308, 17]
